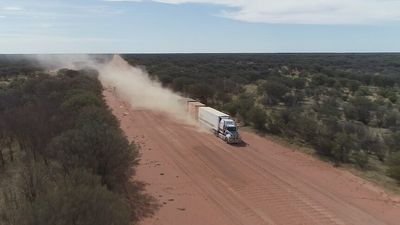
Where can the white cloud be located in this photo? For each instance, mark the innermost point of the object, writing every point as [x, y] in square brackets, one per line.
[304, 11]
[122, 0]
[45, 25]
[12, 8]
[44, 44]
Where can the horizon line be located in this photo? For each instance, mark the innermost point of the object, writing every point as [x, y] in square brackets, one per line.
[188, 53]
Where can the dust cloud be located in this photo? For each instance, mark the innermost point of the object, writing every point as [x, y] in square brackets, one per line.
[134, 86]
[69, 61]
[131, 84]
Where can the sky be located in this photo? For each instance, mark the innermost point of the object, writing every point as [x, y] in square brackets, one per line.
[199, 26]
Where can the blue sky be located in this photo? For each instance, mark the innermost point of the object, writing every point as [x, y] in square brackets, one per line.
[163, 26]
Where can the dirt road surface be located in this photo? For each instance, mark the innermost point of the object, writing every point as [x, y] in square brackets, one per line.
[200, 180]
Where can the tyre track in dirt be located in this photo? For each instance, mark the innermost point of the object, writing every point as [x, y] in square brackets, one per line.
[237, 208]
[262, 183]
[274, 195]
[283, 190]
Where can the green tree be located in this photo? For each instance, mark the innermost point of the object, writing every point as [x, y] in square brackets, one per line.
[101, 149]
[76, 199]
[344, 145]
[361, 158]
[364, 107]
[299, 83]
[276, 123]
[201, 91]
[394, 166]
[93, 114]
[393, 141]
[244, 103]
[302, 125]
[373, 144]
[353, 85]
[78, 99]
[319, 79]
[258, 117]
[180, 84]
[275, 92]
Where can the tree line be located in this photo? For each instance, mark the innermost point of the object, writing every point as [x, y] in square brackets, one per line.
[63, 157]
[345, 106]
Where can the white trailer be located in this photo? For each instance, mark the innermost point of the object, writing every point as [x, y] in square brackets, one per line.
[220, 123]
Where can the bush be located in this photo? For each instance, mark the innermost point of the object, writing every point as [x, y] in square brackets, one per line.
[275, 123]
[275, 92]
[258, 117]
[96, 115]
[304, 125]
[394, 166]
[101, 149]
[79, 100]
[75, 165]
[78, 199]
[344, 145]
[361, 158]
[244, 104]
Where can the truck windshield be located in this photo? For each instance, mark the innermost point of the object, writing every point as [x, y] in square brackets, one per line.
[231, 129]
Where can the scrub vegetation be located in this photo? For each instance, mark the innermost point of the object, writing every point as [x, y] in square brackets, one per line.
[344, 106]
[63, 157]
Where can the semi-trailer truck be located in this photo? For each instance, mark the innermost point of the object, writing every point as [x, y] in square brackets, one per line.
[222, 125]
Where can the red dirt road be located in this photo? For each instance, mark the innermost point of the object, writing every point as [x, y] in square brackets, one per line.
[201, 180]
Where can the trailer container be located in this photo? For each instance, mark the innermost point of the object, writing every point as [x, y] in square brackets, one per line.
[220, 123]
[193, 108]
